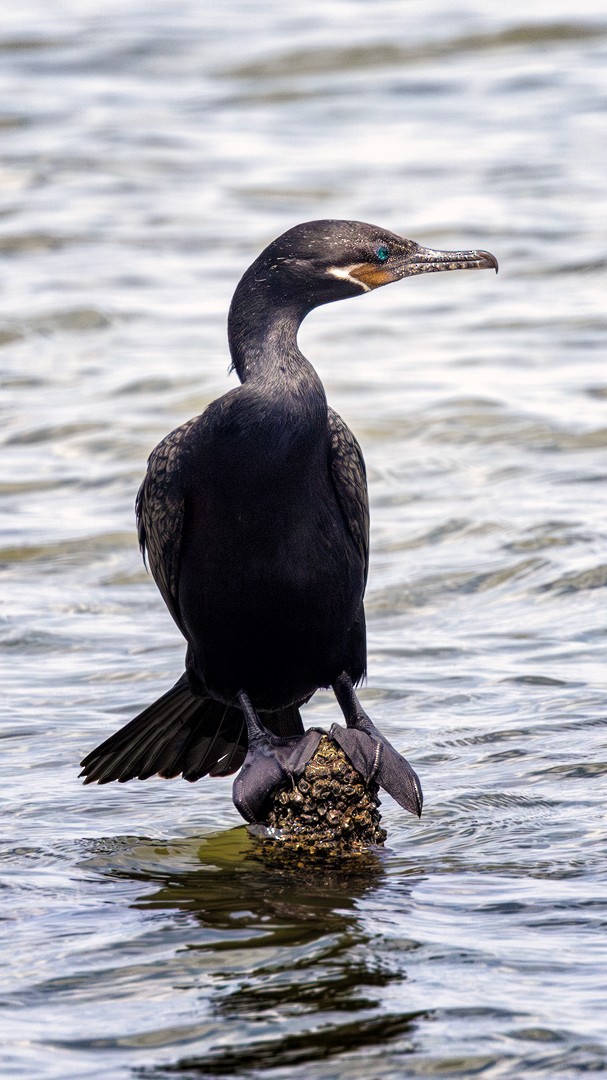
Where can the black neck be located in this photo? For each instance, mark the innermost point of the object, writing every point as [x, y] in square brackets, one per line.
[262, 333]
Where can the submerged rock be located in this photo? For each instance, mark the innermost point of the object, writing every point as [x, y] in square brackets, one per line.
[329, 810]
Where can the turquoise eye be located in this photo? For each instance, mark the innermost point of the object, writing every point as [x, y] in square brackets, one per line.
[383, 253]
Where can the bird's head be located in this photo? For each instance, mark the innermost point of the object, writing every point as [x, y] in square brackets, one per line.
[322, 261]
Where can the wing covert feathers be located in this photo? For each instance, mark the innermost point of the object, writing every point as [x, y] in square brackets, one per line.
[159, 509]
[349, 477]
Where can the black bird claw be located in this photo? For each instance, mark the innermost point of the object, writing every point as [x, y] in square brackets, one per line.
[370, 752]
[376, 760]
[271, 763]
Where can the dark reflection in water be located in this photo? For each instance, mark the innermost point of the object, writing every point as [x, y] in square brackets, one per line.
[237, 882]
[301, 953]
[293, 1050]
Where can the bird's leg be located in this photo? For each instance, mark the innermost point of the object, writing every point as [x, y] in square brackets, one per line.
[272, 762]
[370, 752]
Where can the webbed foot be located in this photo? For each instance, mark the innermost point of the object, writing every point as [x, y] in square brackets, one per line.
[271, 763]
[370, 752]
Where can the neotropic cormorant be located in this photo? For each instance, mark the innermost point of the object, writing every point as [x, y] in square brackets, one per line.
[254, 518]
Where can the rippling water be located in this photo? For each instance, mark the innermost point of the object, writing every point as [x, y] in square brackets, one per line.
[148, 152]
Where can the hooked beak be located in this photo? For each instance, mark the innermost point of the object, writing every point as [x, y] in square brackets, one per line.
[421, 260]
[415, 259]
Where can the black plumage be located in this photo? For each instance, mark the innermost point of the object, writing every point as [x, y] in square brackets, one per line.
[254, 520]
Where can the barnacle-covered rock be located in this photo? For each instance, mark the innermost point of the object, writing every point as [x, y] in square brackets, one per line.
[329, 810]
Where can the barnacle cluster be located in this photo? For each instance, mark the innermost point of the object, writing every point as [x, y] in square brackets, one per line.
[329, 809]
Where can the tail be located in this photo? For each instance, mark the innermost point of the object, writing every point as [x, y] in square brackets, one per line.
[180, 734]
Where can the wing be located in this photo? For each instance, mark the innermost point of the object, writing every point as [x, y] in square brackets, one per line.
[159, 508]
[349, 476]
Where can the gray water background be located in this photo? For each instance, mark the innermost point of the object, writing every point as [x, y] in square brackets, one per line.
[148, 151]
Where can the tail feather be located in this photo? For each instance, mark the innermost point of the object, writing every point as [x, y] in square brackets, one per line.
[217, 754]
[163, 747]
[180, 733]
[205, 749]
[235, 756]
[123, 756]
[177, 755]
